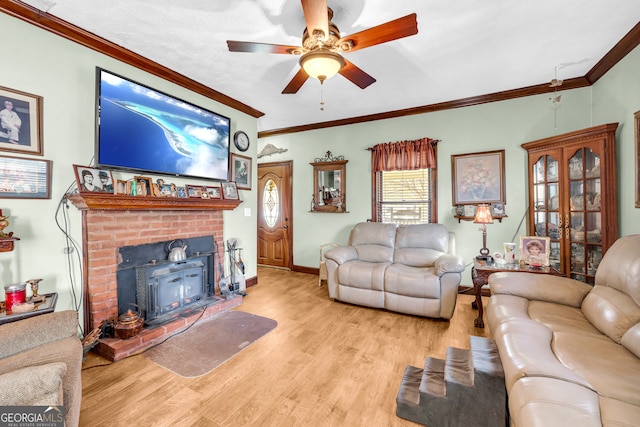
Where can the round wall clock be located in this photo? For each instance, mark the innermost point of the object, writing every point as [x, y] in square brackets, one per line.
[241, 140]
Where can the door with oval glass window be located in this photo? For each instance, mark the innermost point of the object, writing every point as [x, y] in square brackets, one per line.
[274, 215]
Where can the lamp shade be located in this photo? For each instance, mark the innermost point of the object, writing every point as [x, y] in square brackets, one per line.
[483, 215]
[321, 64]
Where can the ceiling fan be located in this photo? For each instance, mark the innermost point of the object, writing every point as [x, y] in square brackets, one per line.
[322, 46]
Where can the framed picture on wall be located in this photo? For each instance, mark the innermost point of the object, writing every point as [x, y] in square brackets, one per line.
[478, 178]
[20, 122]
[25, 178]
[241, 171]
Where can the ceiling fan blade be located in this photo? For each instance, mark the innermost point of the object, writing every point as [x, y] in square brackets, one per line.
[296, 83]
[254, 47]
[356, 75]
[316, 15]
[392, 30]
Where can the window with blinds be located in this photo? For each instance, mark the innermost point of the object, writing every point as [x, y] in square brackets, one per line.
[404, 197]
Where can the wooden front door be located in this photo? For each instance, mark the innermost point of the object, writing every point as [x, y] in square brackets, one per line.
[275, 242]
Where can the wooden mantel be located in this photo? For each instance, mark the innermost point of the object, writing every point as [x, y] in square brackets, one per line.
[118, 202]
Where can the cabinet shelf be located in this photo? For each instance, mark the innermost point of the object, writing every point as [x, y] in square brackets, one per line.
[105, 201]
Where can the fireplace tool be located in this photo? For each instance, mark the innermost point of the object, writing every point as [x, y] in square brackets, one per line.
[224, 281]
[238, 284]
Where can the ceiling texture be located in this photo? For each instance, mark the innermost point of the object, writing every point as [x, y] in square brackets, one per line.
[463, 51]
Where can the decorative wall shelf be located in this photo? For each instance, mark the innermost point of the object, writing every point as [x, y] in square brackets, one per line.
[6, 244]
[118, 202]
[471, 218]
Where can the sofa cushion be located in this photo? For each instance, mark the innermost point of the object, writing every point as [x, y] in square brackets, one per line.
[620, 268]
[363, 275]
[525, 348]
[373, 241]
[615, 413]
[612, 370]
[611, 311]
[548, 402]
[562, 318]
[411, 281]
[39, 385]
[631, 340]
[420, 245]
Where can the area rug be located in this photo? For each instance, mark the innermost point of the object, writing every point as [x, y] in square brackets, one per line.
[210, 343]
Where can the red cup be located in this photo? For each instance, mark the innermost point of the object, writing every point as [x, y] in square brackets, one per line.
[14, 294]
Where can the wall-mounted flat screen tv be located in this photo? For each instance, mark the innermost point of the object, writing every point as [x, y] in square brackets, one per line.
[143, 130]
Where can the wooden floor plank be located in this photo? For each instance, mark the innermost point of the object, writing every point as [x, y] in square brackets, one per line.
[327, 363]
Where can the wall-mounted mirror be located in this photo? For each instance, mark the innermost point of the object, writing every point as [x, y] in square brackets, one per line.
[329, 184]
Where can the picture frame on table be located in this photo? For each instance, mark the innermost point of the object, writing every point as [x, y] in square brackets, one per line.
[229, 191]
[470, 210]
[123, 187]
[25, 178]
[181, 192]
[497, 209]
[20, 122]
[193, 191]
[214, 191]
[478, 178]
[144, 186]
[535, 250]
[93, 180]
[241, 171]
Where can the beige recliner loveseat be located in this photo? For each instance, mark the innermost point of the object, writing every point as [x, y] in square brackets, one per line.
[571, 351]
[410, 269]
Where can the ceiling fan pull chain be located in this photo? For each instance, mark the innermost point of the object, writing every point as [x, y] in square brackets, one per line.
[321, 95]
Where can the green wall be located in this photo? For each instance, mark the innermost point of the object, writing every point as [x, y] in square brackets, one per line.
[63, 73]
[500, 125]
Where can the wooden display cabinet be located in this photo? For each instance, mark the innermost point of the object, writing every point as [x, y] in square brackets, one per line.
[573, 199]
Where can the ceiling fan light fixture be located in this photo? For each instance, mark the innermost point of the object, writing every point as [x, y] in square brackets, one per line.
[321, 64]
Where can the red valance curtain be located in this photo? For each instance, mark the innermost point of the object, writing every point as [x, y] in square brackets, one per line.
[404, 155]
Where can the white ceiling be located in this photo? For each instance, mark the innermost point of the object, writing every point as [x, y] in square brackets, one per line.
[463, 48]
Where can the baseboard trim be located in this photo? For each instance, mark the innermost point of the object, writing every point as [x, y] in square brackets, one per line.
[304, 269]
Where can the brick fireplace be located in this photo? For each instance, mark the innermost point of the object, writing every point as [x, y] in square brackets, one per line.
[111, 222]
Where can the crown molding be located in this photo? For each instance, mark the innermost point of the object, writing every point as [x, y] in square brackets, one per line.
[64, 29]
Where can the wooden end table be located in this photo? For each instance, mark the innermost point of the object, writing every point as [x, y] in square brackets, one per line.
[480, 273]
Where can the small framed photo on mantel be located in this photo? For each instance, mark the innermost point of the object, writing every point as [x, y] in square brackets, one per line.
[230, 191]
[93, 180]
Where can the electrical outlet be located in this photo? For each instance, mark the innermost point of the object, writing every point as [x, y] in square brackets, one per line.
[67, 250]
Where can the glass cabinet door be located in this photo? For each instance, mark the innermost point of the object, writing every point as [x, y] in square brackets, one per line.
[585, 216]
[546, 200]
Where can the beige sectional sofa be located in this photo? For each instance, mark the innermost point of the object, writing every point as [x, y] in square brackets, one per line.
[570, 351]
[411, 269]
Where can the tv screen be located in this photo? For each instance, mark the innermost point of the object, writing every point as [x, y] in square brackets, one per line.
[144, 130]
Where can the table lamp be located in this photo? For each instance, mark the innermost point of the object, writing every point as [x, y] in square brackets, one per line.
[483, 216]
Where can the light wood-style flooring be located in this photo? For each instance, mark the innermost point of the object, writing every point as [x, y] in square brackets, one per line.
[327, 363]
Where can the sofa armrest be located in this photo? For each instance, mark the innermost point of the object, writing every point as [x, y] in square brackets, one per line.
[449, 263]
[342, 254]
[34, 331]
[540, 287]
[33, 386]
